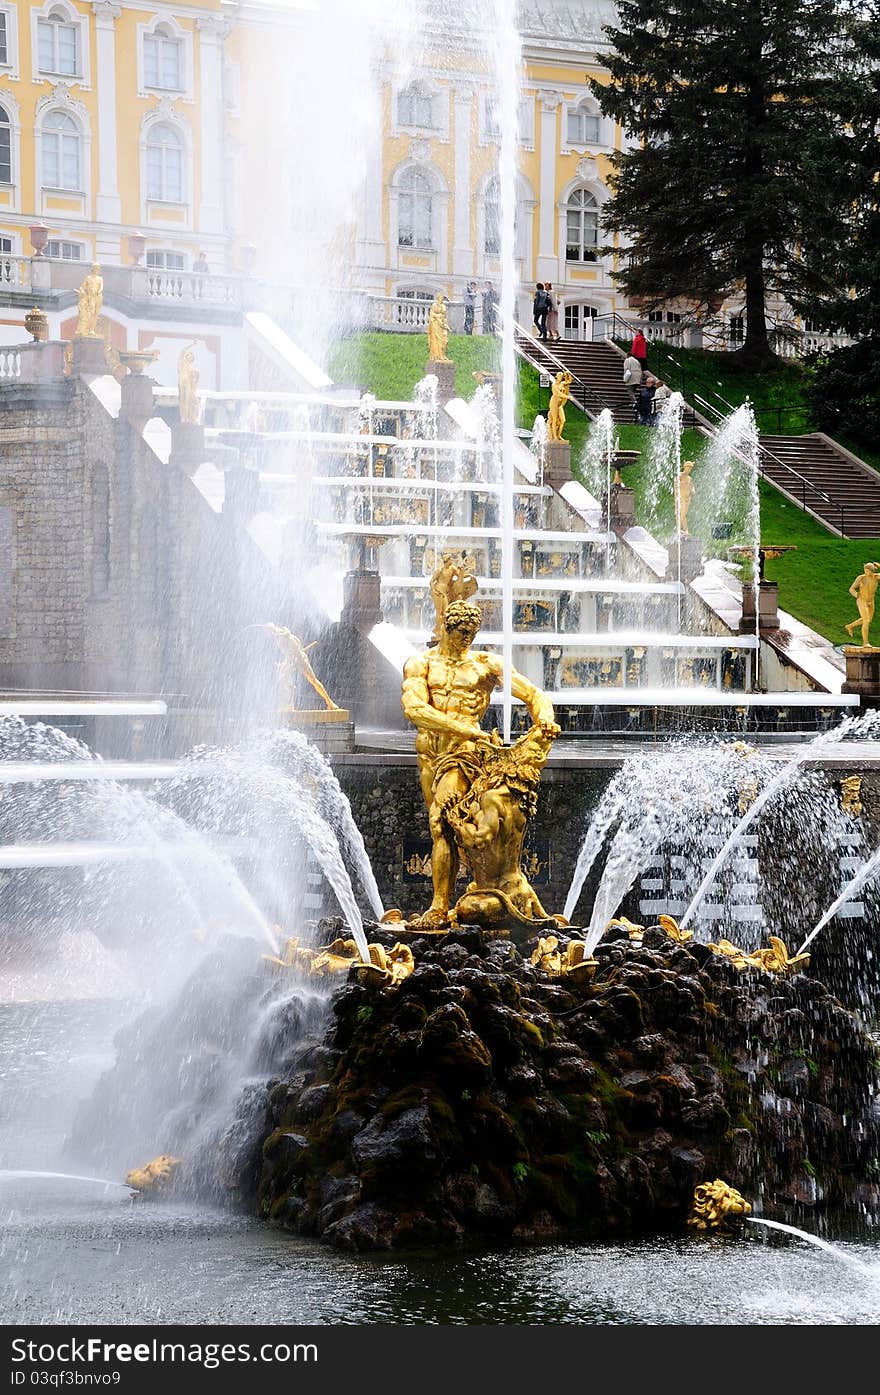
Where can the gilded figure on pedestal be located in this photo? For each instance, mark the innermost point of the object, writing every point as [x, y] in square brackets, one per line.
[558, 398]
[90, 299]
[438, 330]
[864, 589]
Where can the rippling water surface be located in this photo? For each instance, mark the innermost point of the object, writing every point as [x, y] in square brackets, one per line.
[75, 1252]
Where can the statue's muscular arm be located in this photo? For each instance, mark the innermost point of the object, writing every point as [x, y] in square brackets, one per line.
[539, 705]
[417, 705]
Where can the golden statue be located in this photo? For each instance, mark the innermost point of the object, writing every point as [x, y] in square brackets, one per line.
[774, 959]
[155, 1177]
[851, 795]
[187, 386]
[445, 695]
[571, 962]
[296, 664]
[717, 1206]
[864, 588]
[438, 330]
[90, 298]
[453, 580]
[558, 398]
[684, 495]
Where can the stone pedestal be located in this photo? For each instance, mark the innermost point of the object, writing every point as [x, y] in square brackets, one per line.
[444, 371]
[187, 445]
[862, 673]
[331, 730]
[136, 404]
[41, 361]
[620, 509]
[89, 355]
[769, 607]
[686, 560]
[362, 600]
[557, 464]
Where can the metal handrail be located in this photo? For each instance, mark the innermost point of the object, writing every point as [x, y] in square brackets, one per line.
[764, 453]
[585, 389]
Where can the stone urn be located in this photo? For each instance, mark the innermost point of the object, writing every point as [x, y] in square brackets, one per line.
[36, 322]
[136, 360]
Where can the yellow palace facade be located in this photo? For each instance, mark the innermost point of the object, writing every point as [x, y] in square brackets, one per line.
[144, 136]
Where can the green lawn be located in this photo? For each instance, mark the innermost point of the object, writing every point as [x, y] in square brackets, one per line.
[813, 581]
[390, 365]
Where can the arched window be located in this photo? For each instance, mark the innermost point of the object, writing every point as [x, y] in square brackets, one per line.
[58, 41]
[492, 220]
[5, 147]
[415, 107]
[162, 60]
[164, 164]
[581, 227]
[414, 210]
[62, 156]
[582, 126]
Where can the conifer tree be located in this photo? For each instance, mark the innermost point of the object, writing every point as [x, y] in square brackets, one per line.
[732, 112]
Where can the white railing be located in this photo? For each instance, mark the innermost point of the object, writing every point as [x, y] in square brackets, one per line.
[796, 343]
[409, 316]
[192, 287]
[10, 363]
[15, 271]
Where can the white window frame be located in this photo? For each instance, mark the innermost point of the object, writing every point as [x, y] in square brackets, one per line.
[57, 186]
[59, 99]
[10, 66]
[415, 173]
[61, 243]
[8, 124]
[164, 114]
[584, 246]
[159, 39]
[82, 77]
[440, 98]
[490, 134]
[179, 145]
[585, 106]
[416, 91]
[184, 38]
[437, 255]
[162, 265]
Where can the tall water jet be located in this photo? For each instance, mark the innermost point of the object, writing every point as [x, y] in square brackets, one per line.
[507, 57]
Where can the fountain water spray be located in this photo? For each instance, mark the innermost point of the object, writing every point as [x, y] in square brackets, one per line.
[863, 725]
[507, 57]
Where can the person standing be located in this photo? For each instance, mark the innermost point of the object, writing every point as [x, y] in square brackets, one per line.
[552, 313]
[470, 305]
[646, 401]
[540, 306]
[639, 350]
[632, 378]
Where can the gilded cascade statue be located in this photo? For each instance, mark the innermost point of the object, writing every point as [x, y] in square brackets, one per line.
[685, 494]
[454, 580]
[187, 386]
[438, 330]
[558, 398]
[90, 299]
[864, 590]
[296, 664]
[479, 793]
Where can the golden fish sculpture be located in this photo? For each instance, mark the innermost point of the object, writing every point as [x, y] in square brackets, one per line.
[155, 1177]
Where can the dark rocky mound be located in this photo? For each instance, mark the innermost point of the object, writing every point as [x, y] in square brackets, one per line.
[483, 1101]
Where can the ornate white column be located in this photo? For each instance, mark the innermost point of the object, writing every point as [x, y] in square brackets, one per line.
[462, 247]
[212, 32]
[547, 262]
[108, 207]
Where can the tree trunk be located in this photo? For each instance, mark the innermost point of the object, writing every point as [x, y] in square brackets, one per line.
[756, 347]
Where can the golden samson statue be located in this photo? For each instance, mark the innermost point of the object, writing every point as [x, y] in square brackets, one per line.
[479, 793]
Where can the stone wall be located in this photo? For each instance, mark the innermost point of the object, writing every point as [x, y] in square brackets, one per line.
[116, 575]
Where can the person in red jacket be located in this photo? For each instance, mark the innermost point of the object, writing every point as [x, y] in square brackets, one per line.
[639, 349]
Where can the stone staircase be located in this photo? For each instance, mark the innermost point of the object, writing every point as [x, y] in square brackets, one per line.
[826, 479]
[596, 367]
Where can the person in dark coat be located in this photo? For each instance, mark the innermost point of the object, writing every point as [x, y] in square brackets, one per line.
[646, 401]
[470, 305]
[490, 302]
[540, 306]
